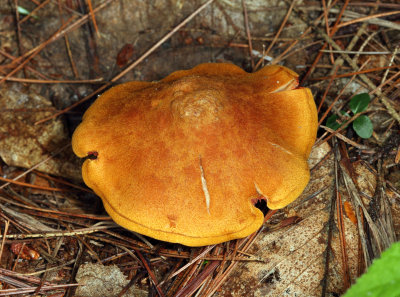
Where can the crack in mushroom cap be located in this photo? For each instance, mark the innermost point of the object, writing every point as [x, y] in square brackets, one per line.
[181, 159]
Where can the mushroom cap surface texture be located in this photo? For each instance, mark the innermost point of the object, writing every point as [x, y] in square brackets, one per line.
[182, 159]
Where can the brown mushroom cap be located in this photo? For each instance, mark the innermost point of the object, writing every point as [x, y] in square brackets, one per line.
[181, 159]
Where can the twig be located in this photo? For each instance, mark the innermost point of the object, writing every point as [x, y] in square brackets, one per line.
[82, 231]
[47, 81]
[341, 128]
[11, 181]
[345, 139]
[355, 52]
[48, 269]
[6, 225]
[26, 290]
[390, 63]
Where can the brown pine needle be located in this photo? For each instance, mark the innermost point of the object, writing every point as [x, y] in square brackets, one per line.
[49, 81]
[362, 19]
[96, 29]
[355, 73]
[31, 186]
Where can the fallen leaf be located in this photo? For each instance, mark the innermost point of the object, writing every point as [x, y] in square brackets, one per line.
[124, 55]
[24, 251]
[348, 209]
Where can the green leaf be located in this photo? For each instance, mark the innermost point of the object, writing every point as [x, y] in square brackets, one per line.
[332, 122]
[359, 102]
[363, 126]
[24, 11]
[382, 278]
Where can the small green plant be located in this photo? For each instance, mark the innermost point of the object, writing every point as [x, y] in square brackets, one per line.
[382, 278]
[362, 125]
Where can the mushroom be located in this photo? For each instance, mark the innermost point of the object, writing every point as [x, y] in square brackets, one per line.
[183, 159]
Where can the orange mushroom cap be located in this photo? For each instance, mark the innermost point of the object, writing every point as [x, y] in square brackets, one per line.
[181, 159]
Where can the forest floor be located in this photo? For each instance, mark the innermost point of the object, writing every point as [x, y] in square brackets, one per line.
[57, 56]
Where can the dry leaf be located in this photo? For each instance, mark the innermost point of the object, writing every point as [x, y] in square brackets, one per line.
[124, 55]
[24, 251]
[348, 208]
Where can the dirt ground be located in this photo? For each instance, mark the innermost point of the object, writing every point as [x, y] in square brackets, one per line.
[58, 56]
